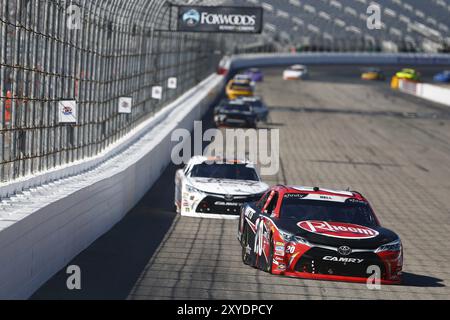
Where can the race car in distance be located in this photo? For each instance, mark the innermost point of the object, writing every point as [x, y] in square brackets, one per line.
[255, 75]
[373, 74]
[239, 88]
[242, 77]
[216, 188]
[296, 72]
[408, 74]
[258, 107]
[235, 113]
[443, 77]
[317, 233]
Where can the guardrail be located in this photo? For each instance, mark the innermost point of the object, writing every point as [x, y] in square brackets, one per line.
[42, 229]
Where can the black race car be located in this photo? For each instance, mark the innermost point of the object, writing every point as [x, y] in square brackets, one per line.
[259, 107]
[235, 113]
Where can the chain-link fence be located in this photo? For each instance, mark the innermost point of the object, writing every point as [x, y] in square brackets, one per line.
[91, 51]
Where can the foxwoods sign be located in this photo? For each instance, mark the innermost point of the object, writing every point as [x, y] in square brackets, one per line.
[220, 19]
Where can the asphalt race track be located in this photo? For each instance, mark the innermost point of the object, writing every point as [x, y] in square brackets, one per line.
[337, 132]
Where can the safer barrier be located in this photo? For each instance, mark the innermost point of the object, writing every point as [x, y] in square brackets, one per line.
[43, 229]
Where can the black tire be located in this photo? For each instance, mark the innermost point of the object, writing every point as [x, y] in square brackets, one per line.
[244, 244]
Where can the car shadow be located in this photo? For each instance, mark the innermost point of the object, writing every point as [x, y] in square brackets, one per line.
[417, 280]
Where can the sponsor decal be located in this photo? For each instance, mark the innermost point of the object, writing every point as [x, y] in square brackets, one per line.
[343, 260]
[338, 229]
[67, 112]
[279, 251]
[356, 201]
[125, 104]
[191, 18]
[220, 19]
[295, 195]
[282, 267]
[227, 204]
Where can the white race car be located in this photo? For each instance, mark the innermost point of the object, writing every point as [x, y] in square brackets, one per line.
[296, 72]
[215, 188]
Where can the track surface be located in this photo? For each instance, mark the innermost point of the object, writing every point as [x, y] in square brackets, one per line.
[336, 132]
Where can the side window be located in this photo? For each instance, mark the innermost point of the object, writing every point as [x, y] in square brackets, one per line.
[260, 205]
[273, 204]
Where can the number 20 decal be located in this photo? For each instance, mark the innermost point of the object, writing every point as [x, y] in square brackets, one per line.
[259, 237]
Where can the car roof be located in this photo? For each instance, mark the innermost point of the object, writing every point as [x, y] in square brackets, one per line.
[236, 102]
[241, 77]
[298, 66]
[315, 193]
[241, 83]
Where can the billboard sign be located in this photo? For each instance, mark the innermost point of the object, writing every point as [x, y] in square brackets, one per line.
[220, 19]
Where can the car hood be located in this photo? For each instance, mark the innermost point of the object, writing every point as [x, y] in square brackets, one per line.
[227, 186]
[338, 234]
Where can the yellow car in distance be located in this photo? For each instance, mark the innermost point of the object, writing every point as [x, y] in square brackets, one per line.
[373, 74]
[408, 74]
[239, 88]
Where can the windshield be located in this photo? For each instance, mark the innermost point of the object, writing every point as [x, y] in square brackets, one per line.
[237, 107]
[303, 210]
[241, 87]
[254, 103]
[224, 171]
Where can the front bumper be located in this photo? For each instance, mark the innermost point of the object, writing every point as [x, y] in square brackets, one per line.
[327, 264]
[234, 121]
[305, 275]
[216, 206]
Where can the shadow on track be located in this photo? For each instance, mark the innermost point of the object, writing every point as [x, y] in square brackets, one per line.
[416, 280]
[111, 266]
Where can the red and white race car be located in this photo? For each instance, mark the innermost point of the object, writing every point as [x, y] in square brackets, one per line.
[319, 234]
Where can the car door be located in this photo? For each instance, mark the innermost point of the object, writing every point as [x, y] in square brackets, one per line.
[264, 227]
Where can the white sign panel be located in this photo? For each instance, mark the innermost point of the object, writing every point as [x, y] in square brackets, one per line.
[125, 104]
[157, 92]
[172, 83]
[67, 111]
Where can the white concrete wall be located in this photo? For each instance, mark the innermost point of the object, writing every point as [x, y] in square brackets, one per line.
[42, 230]
[426, 91]
[435, 93]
